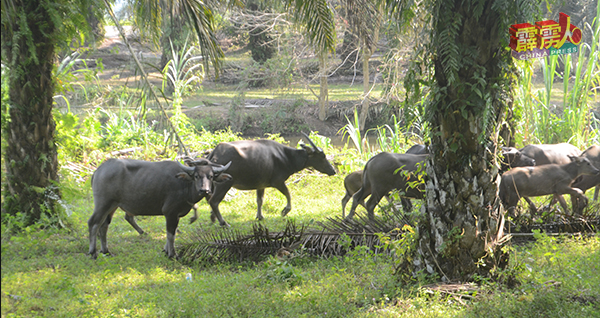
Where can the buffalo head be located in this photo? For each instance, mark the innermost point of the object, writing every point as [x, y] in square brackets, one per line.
[203, 172]
[317, 158]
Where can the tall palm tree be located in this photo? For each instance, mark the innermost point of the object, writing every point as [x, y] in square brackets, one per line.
[317, 19]
[31, 32]
[460, 234]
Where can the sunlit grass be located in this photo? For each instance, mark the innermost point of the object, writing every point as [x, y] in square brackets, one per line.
[222, 94]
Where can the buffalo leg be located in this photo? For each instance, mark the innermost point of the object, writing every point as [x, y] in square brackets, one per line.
[532, 207]
[345, 200]
[260, 194]
[129, 218]
[357, 198]
[195, 216]
[95, 222]
[284, 190]
[172, 223]
[102, 233]
[372, 203]
[216, 198]
[406, 205]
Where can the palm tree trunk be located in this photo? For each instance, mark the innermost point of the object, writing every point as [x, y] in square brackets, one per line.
[31, 156]
[366, 103]
[462, 226]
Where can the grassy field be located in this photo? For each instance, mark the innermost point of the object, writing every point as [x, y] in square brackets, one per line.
[46, 273]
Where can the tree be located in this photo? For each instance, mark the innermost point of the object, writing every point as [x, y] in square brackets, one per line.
[260, 43]
[317, 18]
[31, 32]
[460, 233]
[365, 20]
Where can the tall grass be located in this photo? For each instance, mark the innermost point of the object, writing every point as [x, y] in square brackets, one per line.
[542, 121]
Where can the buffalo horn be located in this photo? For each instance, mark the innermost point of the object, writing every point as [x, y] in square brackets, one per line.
[218, 169]
[199, 162]
[188, 170]
[311, 142]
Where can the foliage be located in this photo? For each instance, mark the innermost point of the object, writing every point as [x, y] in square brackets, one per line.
[573, 121]
[5, 106]
[361, 143]
[275, 73]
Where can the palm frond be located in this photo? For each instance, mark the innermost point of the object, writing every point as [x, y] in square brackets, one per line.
[317, 17]
[340, 235]
[336, 237]
[231, 245]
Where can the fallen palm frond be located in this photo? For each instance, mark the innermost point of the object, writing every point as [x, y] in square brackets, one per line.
[231, 245]
[340, 235]
[336, 237]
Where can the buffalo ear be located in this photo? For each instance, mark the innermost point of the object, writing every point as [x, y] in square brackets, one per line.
[184, 176]
[309, 150]
[575, 158]
[223, 177]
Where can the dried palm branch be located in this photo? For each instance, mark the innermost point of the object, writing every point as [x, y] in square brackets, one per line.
[361, 231]
[230, 245]
[336, 237]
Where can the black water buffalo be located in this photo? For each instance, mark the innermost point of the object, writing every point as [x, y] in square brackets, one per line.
[544, 180]
[149, 188]
[383, 173]
[544, 154]
[260, 164]
[586, 182]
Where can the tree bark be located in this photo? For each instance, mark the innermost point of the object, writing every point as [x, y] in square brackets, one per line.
[31, 156]
[364, 111]
[460, 233]
[324, 94]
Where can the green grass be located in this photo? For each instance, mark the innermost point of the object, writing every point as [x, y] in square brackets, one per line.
[219, 93]
[46, 273]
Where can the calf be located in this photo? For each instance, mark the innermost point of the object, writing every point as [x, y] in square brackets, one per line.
[383, 173]
[543, 180]
[586, 182]
[149, 188]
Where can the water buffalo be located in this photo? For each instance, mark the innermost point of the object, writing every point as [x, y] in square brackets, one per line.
[149, 188]
[543, 180]
[544, 154]
[260, 164]
[353, 182]
[513, 157]
[418, 149]
[586, 182]
[381, 175]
